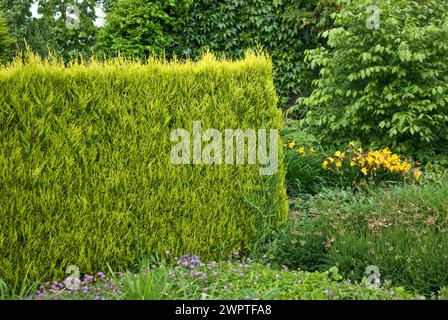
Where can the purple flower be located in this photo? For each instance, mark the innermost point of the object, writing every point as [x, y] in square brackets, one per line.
[101, 275]
[189, 261]
[40, 295]
[277, 276]
[205, 290]
[285, 268]
[88, 279]
[299, 282]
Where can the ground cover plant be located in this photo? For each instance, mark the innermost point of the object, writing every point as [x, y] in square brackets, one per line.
[188, 277]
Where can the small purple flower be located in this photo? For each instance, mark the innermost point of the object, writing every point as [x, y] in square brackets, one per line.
[241, 275]
[88, 279]
[189, 261]
[285, 268]
[205, 290]
[299, 282]
[99, 298]
[101, 275]
[277, 276]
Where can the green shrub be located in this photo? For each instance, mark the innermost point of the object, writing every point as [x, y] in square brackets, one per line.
[403, 231]
[85, 163]
[143, 28]
[384, 87]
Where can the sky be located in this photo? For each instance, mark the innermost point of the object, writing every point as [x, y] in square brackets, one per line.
[98, 11]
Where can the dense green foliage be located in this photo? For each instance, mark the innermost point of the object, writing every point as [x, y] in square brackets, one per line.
[385, 86]
[285, 28]
[143, 28]
[66, 36]
[403, 231]
[86, 171]
[49, 31]
[5, 41]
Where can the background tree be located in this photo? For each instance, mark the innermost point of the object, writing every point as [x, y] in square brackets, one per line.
[49, 31]
[141, 28]
[5, 41]
[64, 35]
[285, 28]
[17, 16]
[385, 85]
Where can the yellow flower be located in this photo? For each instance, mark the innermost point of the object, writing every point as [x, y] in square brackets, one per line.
[338, 153]
[364, 170]
[352, 163]
[312, 150]
[330, 159]
[338, 164]
[301, 150]
[417, 174]
[325, 164]
[291, 144]
[386, 151]
[359, 150]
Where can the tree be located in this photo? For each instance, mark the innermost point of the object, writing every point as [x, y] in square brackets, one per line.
[5, 41]
[17, 14]
[71, 31]
[56, 29]
[141, 28]
[384, 82]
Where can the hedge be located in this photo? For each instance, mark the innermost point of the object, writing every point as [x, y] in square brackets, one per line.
[85, 170]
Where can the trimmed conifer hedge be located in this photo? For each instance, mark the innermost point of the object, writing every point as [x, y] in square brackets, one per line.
[85, 171]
